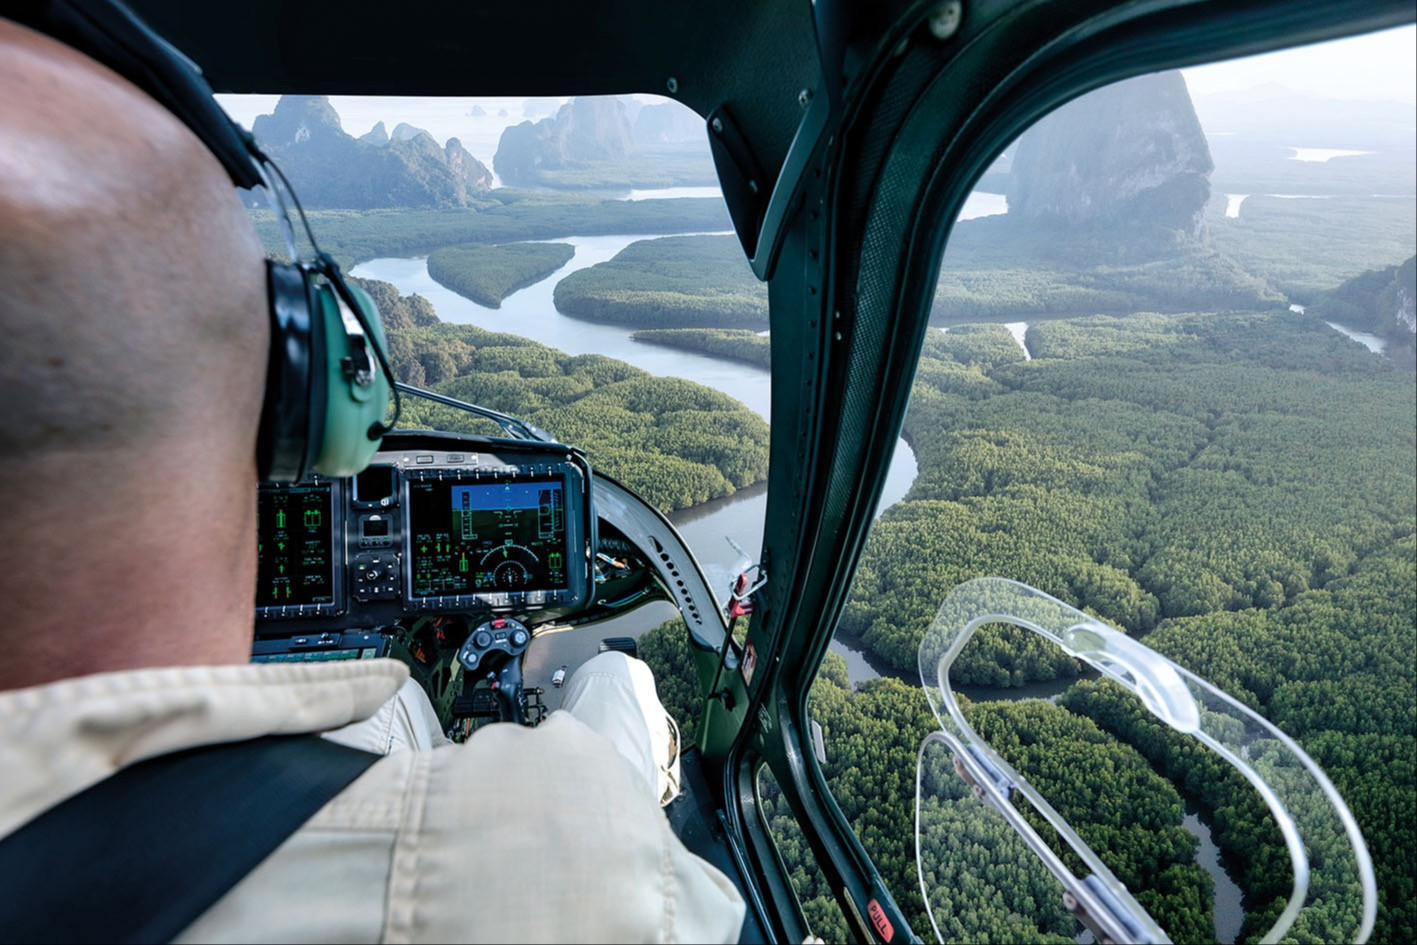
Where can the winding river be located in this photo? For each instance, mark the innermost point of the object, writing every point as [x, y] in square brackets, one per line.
[713, 528]
[530, 312]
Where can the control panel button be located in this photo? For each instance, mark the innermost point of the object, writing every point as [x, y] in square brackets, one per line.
[376, 576]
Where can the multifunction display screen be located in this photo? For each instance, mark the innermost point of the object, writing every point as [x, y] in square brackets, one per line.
[295, 546]
[487, 537]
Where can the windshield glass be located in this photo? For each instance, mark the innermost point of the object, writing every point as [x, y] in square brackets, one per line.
[567, 261]
[1169, 382]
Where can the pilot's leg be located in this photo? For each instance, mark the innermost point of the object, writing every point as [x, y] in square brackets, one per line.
[615, 695]
[406, 721]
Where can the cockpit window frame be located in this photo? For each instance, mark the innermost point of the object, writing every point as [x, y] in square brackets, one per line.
[849, 301]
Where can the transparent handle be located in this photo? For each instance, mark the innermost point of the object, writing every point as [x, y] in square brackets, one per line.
[1154, 678]
[1334, 887]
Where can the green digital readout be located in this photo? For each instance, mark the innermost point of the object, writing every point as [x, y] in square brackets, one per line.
[294, 546]
[487, 537]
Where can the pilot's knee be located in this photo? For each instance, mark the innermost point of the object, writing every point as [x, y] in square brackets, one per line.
[614, 663]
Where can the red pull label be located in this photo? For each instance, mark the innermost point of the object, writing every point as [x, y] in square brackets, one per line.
[878, 918]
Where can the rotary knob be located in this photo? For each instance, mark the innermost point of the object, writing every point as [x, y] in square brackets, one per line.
[482, 639]
[519, 638]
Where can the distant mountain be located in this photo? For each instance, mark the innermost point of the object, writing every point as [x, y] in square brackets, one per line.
[331, 168]
[540, 105]
[1382, 302]
[1128, 160]
[633, 107]
[403, 131]
[377, 136]
[584, 130]
[669, 124]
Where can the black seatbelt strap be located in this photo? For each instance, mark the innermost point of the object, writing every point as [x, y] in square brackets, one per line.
[140, 855]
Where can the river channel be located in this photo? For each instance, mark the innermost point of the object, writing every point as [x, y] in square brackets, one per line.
[713, 528]
[530, 312]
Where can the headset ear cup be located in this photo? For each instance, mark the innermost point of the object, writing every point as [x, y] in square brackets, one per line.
[293, 415]
[358, 389]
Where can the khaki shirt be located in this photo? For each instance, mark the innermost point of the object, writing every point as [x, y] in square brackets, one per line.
[542, 834]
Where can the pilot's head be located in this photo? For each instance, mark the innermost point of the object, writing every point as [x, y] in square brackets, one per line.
[133, 340]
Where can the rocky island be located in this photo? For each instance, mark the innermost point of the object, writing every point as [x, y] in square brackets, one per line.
[332, 169]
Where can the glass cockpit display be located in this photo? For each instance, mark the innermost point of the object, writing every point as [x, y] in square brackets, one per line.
[428, 531]
[487, 537]
[295, 548]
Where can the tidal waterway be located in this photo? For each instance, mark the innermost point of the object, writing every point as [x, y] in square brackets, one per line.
[712, 529]
[531, 313]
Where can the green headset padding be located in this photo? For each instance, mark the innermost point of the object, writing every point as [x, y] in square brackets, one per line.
[357, 388]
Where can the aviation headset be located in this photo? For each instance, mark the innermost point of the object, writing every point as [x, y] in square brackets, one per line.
[327, 377]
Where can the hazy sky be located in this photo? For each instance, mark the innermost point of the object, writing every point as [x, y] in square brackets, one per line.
[1377, 66]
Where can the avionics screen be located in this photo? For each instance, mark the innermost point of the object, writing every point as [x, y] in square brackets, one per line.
[487, 537]
[294, 546]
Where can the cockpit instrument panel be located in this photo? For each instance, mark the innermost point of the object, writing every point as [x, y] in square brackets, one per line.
[499, 538]
[486, 537]
[297, 570]
[428, 529]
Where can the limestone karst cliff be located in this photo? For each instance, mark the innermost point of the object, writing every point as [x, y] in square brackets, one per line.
[1130, 158]
[584, 130]
[331, 168]
[1382, 302]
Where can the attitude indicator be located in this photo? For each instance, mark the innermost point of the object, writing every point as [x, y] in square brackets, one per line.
[476, 538]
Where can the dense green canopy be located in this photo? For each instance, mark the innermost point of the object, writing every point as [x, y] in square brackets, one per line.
[675, 442]
[488, 274]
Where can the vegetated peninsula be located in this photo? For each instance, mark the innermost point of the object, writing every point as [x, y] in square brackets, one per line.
[732, 344]
[330, 168]
[674, 442]
[488, 274]
[505, 216]
[673, 282]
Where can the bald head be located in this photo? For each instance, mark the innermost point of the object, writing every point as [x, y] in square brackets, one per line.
[132, 365]
[130, 278]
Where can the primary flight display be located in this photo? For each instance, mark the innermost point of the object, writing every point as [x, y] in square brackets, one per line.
[488, 536]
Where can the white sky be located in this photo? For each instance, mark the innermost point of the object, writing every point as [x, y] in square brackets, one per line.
[1376, 66]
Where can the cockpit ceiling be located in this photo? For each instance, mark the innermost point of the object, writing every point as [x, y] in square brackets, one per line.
[754, 56]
